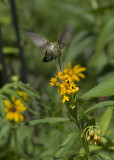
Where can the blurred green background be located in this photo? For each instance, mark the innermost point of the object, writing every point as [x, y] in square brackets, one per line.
[92, 46]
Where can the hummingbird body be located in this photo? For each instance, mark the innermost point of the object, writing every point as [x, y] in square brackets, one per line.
[52, 50]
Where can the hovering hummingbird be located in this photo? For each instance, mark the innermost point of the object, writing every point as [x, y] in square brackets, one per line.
[52, 50]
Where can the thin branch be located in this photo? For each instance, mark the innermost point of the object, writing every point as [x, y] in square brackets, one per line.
[15, 23]
[4, 74]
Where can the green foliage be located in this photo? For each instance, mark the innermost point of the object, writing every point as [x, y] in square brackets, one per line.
[10, 50]
[42, 121]
[2, 108]
[92, 46]
[8, 91]
[105, 88]
[96, 106]
[65, 146]
[106, 117]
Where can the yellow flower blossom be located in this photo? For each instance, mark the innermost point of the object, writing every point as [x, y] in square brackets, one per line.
[53, 81]
[60, 74]
[65, 70]
[66, 81]
[69, 91]
[65, 98]
[23, 95]
[13, 110]
[57, 84]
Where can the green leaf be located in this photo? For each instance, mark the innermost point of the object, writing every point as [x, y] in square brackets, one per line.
[45, 120]
[2, 108]
[96, 106]
[111, 148]
[65, 146]
[105, 88]
[87, 121]
[25, 87]
[102, 157]
[10, 50]
[49, 120]
[106, 76]
[103, 39]
[76, 10]
[105, 119]
[77, 46]
[75, 155]
[5, 20]
[92, 148]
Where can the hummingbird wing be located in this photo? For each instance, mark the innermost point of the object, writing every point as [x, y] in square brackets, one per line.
[40, 41]
[65, 36]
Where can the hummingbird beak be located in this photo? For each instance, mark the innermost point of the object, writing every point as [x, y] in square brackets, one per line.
[59, 63]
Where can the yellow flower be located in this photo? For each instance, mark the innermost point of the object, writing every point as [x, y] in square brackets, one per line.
[63, 92]
[53, 81]
[23, 95]
[60, 74]
[66, 81]
[77, 71]
[69, 91]
[75, 90]
[57, 84]
[65, 70]
[75, 78]
[13, 110]
[67, 78]
[65, 98]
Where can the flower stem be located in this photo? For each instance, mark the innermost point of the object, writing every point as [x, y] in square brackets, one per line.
[73, 110]
[15, 139]
[83, 140]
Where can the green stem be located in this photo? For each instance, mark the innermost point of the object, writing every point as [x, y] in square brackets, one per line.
[83, 139]
[73, 110]
[15, 139]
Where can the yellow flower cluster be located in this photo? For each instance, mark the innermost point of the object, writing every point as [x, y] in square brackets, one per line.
[13, 109]
[66, 81]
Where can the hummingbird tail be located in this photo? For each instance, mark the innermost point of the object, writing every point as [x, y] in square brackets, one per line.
[47, 60]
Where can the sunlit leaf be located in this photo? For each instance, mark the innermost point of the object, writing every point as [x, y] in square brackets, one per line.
[49, 120]
[105, 88]
[97, 106]
[43, 121]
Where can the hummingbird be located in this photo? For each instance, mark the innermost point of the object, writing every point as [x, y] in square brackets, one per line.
[52, 49]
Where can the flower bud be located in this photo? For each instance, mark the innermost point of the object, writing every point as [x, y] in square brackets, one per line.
[82, 136]
[98, 139]
[95, 137]
[99, 131]
[69, 91]
[88, 138]
[91, 133]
